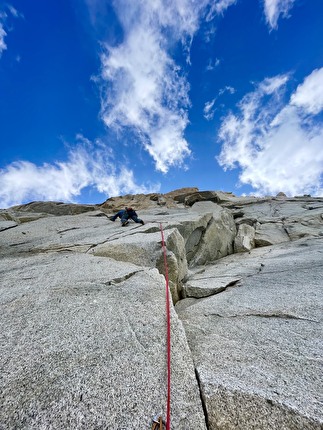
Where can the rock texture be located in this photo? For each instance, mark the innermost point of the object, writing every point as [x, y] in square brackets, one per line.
[257, 346]
[83, 313]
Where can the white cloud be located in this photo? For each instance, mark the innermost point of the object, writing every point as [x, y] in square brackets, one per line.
[14, 12]
[274, 8]
[143, 88]
[212, 64]
[228, 89]
[88, 165]
[3, 34]
[277, 145]
[219, 7]
[272, 85]
[208, 110]
[309, 95]
[3, 26]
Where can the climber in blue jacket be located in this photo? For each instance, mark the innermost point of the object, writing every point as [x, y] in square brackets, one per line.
[125, 214]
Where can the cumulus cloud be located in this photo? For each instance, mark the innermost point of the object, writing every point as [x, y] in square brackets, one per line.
[143, 88]
[88, 165]
[309, 95]
[277, 145]
[274, 8]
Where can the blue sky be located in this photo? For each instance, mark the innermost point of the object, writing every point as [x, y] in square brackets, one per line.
[100, 98]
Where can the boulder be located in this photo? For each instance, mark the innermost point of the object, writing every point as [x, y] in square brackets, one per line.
[200, 196]
[245, 238]
[217, 240]
[181, 194]
[281, 195]
[212, 196]
[205, 287]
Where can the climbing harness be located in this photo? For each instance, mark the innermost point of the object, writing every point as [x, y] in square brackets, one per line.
[168, 339]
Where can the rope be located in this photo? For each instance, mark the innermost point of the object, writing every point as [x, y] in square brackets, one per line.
[168, 331]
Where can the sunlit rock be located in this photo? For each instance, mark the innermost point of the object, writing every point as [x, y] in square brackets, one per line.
[83, 325]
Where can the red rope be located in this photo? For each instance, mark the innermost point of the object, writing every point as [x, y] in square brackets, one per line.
[168, 330]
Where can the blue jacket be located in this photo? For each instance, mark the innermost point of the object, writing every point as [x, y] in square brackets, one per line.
[125, 214]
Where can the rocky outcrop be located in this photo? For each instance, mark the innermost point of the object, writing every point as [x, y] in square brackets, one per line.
[279, 220]
[146, 201]
[83, 313]
[54, 208]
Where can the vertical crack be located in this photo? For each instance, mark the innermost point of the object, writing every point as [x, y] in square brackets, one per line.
[206, 416]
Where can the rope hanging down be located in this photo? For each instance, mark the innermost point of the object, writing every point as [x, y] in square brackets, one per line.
[168, 330]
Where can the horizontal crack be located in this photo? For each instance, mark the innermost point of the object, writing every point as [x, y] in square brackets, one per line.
[263, 315]
[68, 229]
[122, 278]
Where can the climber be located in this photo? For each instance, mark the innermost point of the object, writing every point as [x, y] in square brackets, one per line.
[125, 214]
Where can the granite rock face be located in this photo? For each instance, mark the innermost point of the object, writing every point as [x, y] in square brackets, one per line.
[82, 317]
[257, 346]
[83, 346]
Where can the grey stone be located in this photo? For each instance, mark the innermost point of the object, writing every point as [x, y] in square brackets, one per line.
[20, 216]
[83, 346]
[146, 250]
[4, 225]
[82, 313]
[270, 233]
[205, 287]
[56, 233]
[218, 237]
[257, 347]
[55, 208]
[245, 238]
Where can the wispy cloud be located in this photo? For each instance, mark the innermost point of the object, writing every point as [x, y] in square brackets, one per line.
[208, 110]
[274, 8]
[212, 64]
[277, 145]
[5, 12]
[227, 89]
[88, 165]
[144, 89]
[14, 12]
[219, 7]
[3, 34]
